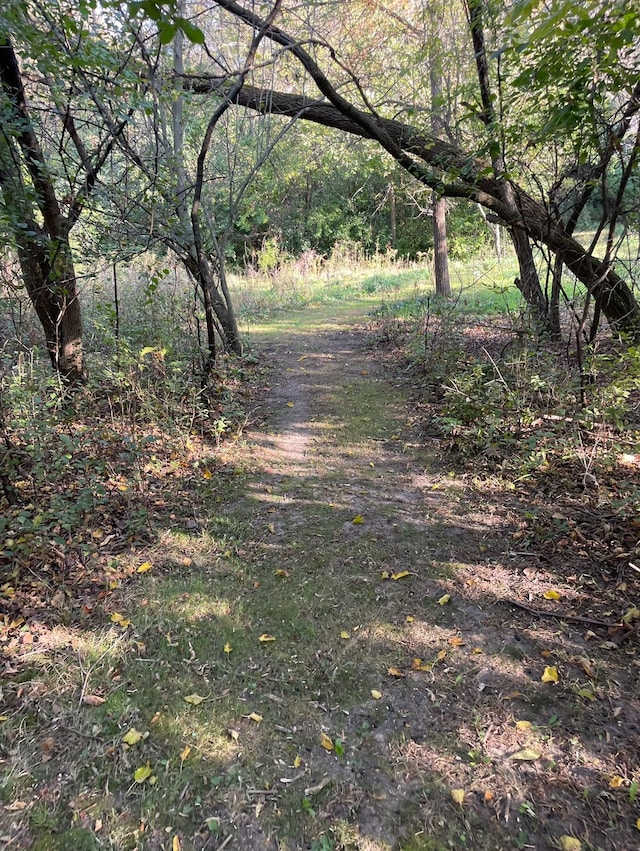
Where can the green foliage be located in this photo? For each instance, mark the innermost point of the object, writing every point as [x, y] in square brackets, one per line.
[168, 22]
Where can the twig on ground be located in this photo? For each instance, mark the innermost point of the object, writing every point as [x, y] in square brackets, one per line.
[563, 616]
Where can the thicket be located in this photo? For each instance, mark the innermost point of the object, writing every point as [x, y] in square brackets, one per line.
[555, 425]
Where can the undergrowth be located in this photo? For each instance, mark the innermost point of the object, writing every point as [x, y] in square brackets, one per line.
[518, 414]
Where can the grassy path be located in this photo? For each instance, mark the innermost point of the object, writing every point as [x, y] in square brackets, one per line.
[317, 657]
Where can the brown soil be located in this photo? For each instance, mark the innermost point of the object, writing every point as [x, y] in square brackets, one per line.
[388, 580]
[455, 724]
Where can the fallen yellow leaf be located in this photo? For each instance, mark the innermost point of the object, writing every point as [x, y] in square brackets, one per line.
[616, 781]
[265, 637]
[551, 595]
[184, 753]
[291, 404]
[227, 648]
[401, 574]
[175, 845]
[297, 762]
[207, 474]
[132, 737]
[143, 773]
[523, 725]
[145, 567]
[526, 755]
[550, 674]
[444, 599]
[358, 519]
[375, 694]
[255, 717]
[116, 617]
[344, 634]
[638, 824]
[326, 742]
[395, 672]
[384, 574]
[569, 843]
[193, 699]
[456, 641]
[284, 573]
[457, 796]
[410, 618]
[488, 796]
[441, 655]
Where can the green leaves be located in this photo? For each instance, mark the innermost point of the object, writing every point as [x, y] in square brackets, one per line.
[163, 14]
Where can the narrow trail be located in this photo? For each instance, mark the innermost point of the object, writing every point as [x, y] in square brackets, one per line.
[370, 532]
[405, 705]
[314, 653]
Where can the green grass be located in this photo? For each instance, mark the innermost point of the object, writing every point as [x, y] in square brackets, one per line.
[249, 552]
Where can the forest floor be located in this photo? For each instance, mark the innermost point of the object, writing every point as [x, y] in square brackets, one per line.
[320, 649]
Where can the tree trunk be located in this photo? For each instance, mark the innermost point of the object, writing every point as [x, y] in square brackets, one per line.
[439, 215]
[43, 249]
[215, 306]
[440, 251]
[48, 271]
[393, 218]
[51, 285]
[529, 283]
[554, 300]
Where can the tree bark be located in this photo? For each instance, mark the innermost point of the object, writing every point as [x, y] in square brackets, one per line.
[439, 215]
[44, 252]
[393, 219]
[440, 250]
[529, 283]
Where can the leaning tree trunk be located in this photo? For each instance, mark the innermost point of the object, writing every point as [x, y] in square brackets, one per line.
[43, 248]
[219, 316]
[408, 145]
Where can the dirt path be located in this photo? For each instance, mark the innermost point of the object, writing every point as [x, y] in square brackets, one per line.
[316, 654]
[410, 660]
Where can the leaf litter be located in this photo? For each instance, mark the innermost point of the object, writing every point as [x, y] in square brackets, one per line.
[435, 741]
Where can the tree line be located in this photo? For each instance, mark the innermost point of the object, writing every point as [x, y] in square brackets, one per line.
[154, 122]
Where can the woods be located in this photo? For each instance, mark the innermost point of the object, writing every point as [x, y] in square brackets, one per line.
[536, 185]
[319, 416]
